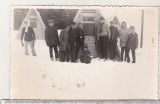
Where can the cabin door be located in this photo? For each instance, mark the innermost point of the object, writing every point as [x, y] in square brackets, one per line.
[89, 29]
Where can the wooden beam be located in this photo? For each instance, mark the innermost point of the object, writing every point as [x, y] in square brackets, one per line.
[142, 23]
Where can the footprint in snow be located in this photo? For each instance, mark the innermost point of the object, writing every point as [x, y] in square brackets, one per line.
[79, 85]
[44, 76]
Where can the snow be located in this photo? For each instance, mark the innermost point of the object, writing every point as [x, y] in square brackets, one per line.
[39, 78]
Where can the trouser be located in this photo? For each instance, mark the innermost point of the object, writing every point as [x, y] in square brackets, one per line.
[79, 46]
[123, 49]
[31, 43]
[103, 44]
[71, 52]
[113, 50]
[55, 51]
[133, 55]
[67, 54]
[63, 56]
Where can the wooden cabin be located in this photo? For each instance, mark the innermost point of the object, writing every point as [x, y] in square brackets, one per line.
[89, 18]
[35, 21]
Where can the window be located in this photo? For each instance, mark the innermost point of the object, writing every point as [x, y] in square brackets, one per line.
[33, 22]
[88, 19]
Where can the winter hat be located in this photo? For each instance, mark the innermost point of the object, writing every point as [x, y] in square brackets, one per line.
[112, 22]
[132, 27]
[101, 18]
[72, 23]
[50, 21]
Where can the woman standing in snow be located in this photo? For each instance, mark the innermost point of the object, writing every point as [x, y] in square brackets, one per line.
[29, 38]
[132, 44]
[123, 35]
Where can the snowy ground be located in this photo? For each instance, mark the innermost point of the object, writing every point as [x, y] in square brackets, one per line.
[39, 78]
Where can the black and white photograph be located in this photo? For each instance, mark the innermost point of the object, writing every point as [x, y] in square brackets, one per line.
[94, 52]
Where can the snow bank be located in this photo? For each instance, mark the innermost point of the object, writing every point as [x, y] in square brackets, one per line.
[39, 78]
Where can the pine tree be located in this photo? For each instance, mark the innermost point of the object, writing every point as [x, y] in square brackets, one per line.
[62, 17]
[19, 15]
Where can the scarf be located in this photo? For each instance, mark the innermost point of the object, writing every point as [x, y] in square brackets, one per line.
[26, 29]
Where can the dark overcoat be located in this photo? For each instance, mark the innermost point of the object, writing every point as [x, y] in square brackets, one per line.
[132, 42]
[72, 36]
[114, 34]
[80, 35]
[51, 36]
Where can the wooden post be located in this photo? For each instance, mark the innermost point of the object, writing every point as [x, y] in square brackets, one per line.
[142, 23]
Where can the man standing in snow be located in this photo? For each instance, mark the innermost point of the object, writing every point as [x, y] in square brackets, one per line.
[72, 41]
[113, 41]
[63, 46]
[52, 40]
[103, 37]
[29, 38]
[80, 39]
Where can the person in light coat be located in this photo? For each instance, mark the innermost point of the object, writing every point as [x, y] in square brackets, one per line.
[123, 35]
[103, 37]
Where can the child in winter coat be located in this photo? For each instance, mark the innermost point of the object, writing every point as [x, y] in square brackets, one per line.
[132, 44]
[85, 55]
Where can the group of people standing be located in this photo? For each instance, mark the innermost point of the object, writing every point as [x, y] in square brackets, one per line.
[107, 38]
[70, 41]
[128, 41]
[69, 45]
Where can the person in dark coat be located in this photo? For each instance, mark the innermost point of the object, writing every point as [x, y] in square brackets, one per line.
[123, 35]
[80, 39]
[132, 44]
[63, 46]
[29, 38]
[85, 55]
[52, 39]
[72, 42]
[113, 40]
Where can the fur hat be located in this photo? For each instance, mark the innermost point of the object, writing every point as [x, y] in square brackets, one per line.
[50, 21]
